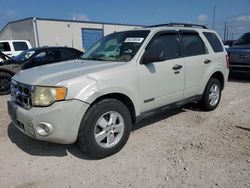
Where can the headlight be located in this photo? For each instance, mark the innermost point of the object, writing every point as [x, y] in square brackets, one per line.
[45, 96]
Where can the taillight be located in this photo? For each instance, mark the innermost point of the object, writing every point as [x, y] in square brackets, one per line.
[227, 60]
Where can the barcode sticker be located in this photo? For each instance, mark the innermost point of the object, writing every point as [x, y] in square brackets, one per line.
[134, 39]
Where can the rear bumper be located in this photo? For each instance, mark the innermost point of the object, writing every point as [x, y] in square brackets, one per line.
[239, 68]
[65, 118]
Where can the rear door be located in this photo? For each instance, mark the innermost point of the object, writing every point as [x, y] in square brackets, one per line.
[197, 61]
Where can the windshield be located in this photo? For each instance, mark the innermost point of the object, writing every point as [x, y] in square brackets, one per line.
[24, 55]
[244, 39]
[120, 46]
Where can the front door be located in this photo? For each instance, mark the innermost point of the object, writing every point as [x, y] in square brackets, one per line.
[162, 77]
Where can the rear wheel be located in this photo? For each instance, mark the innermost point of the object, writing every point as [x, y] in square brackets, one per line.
[212, 94]
[105, 128]
[5, 80]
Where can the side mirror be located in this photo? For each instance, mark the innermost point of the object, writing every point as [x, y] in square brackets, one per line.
[150, 56]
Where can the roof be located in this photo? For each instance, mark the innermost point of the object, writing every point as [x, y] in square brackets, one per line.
[51, 47]
[64, 20]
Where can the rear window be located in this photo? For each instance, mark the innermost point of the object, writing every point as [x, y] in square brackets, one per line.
[214, 41]
[4, 47]
[20, 46]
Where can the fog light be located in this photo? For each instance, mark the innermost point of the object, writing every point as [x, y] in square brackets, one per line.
[44, 129]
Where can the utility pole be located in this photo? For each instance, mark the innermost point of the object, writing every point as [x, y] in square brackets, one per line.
[214, 10]
[227, 34]
[225, 31]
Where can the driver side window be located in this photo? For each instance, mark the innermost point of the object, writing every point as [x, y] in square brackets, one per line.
[163, 47]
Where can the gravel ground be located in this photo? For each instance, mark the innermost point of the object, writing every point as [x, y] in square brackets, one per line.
[182, 148]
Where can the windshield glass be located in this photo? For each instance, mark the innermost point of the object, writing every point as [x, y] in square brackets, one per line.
[24, 55]
[244, 39]
[120, 46]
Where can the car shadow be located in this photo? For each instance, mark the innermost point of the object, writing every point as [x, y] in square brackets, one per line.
[239, 79]
[194, 106]
[42, 148]
[156, 118]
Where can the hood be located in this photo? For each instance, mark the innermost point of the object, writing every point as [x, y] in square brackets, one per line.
[52, 74]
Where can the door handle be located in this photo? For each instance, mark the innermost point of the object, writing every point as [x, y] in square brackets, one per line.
[177, 67]
[207, 61]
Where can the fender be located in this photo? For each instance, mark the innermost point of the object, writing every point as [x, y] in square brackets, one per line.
[88, 89]
[209, 72]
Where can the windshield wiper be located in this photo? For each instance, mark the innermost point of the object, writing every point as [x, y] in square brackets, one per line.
[93, 58]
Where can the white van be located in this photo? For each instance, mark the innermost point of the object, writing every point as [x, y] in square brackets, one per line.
[14, 47]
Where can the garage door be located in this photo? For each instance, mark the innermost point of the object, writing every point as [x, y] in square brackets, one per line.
[90, 37]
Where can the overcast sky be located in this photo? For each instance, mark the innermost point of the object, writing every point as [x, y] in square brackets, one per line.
[143, 12]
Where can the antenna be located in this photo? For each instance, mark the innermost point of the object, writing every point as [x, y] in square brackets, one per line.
[214, 10]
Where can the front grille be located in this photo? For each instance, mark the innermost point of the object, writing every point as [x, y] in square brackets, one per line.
[21, 94]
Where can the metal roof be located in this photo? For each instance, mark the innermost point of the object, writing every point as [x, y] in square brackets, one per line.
[75, 21]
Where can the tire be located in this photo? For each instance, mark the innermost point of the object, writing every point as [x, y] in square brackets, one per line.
[98, 136]
[212, 95]
[5, 81]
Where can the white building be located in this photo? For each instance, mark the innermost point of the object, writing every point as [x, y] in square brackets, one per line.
[52, 32]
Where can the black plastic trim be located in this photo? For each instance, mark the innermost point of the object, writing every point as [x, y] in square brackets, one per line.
[178, 104]
[180, 25]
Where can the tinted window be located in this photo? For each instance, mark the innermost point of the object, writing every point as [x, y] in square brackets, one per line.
[4, 46]
[164, 47]
[20, 46]
[24, 55]
[193, 45]
[48, 56]
[69, 53]
[214, 42]
[54, 55]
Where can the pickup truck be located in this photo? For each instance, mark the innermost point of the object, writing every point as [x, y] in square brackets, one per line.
[239, 56]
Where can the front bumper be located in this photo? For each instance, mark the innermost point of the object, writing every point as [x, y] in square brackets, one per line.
[64, 116]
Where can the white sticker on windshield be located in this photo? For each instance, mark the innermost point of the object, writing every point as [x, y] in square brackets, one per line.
[134, 39]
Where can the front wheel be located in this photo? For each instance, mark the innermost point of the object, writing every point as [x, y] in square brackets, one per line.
[211, 96]
[104, 129]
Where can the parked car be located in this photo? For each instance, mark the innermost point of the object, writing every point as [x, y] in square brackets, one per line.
[95, 100]
[14, 47]
[239, 56]
[32, 58]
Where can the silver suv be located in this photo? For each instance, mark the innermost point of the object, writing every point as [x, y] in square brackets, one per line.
[95, 100]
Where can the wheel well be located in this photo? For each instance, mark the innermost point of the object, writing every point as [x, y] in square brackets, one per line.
[124, 99]
[219, 76]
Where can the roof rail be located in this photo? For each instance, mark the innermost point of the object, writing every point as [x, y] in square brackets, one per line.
[179, 24]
